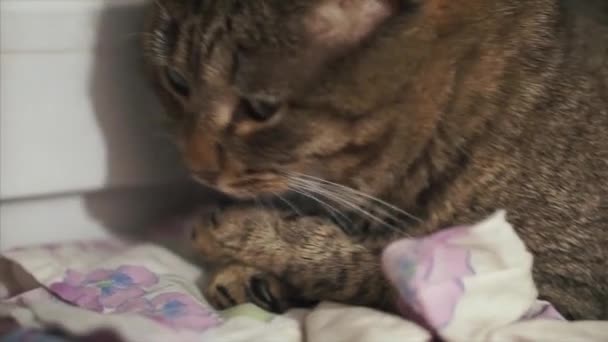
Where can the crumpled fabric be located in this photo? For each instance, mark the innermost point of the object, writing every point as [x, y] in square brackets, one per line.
[470, 283]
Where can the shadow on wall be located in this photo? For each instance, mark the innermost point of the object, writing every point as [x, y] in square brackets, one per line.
[144, 172]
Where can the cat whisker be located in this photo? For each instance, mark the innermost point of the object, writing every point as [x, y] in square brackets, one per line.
[291, 205]
[307, 185]
[330, 209]
[356, 194]
[362, 203]
[339, 197]
[359, 193]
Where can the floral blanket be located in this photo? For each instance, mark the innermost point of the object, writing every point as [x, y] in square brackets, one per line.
[461, 284]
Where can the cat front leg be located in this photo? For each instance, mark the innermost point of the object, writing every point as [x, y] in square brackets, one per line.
[310, 257]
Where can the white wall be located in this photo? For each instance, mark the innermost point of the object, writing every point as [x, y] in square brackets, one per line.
[78, 125]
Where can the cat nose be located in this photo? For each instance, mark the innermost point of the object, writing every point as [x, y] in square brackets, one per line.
[203, 156]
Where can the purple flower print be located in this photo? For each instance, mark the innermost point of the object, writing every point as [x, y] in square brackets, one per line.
[72, 290]
[123, 290]
[173, 309]
[104, 289]
[428, 274]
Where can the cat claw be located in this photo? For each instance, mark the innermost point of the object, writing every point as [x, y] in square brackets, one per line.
[236, 284]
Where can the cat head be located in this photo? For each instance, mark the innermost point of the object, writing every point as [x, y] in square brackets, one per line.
[251, 92]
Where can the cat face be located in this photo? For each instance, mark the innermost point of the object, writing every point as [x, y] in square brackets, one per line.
[246, 87]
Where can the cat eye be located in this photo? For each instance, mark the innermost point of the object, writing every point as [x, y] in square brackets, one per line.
[259, 110]
[178, 82]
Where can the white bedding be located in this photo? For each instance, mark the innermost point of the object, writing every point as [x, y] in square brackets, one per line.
[468, 283]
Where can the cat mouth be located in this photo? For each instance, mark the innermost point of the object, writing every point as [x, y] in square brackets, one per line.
[249, 187]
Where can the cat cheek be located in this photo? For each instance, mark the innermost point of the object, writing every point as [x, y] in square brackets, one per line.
[346, 22]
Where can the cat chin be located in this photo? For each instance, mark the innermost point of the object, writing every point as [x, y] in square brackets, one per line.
[261, 190]
[250, 194]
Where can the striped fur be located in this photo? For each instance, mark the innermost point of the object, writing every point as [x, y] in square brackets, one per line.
[439, 114]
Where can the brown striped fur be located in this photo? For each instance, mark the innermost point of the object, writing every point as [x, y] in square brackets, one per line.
[446, 109]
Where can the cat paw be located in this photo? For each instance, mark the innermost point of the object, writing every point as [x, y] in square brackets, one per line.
[237, 284]
[234, 234]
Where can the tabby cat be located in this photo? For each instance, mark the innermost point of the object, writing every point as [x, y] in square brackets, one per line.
[395, 118]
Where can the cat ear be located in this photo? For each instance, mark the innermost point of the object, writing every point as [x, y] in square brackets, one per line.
[346, 22]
